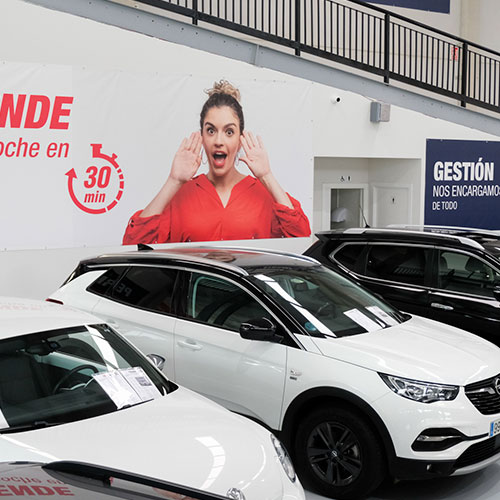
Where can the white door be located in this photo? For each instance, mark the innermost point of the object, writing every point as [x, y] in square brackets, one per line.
[211, 358]
[391, 205]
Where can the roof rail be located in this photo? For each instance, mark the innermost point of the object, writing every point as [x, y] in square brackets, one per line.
[263, 250]
[464, 239]
[473, 230]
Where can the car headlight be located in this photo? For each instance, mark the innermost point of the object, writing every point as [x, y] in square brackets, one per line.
[423, 392]
[284, 458]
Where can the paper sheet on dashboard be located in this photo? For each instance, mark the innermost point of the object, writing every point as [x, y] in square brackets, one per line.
[380, 313]
[362, 320]
[127, 387]
[141, 383]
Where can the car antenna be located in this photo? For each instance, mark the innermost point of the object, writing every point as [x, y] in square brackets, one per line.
[142, 246]
[363, 215]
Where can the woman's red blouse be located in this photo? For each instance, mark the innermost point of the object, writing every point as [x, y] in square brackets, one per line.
[196, 213]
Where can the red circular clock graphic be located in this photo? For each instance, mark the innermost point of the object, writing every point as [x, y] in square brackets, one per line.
[100, 187]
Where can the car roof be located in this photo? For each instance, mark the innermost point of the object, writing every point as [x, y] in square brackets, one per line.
[19, 316]
[239, 260]
[458, 236]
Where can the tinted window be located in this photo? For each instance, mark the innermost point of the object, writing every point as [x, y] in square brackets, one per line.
[467, 274]
[146, 287]
[218, 302]
[105, 282]
[405, 264]
[349, 256]
[324, 302]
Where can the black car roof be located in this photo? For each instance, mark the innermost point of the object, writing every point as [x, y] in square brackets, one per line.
[473, 238]
[240, 260]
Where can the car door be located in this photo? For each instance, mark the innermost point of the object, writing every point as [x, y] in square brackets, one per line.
[463, 294]
[212, 358]
[140, 305]
[399, 273]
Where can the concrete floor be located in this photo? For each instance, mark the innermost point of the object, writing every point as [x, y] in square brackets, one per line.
[482, 485]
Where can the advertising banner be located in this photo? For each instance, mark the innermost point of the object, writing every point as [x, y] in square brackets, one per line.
[462, 185]
[84, 151]
[430, 5]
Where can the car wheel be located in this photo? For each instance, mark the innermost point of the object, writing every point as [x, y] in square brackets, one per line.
[338, 454]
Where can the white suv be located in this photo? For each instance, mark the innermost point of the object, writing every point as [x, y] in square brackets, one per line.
[356, 389]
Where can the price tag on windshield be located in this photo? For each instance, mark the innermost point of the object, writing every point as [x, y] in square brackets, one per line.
[362, 320]
[141, 383]
[388, 320]
[117, 388]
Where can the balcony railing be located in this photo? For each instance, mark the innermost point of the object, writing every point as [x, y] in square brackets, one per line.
[363, 36]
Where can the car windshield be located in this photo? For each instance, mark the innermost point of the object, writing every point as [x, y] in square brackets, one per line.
[70, 374]
[325, 303]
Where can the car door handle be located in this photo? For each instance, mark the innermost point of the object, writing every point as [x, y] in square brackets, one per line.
[438, 305]
[189, 344]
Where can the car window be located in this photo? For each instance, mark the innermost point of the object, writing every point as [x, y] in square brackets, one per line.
[71, 374]
[467, 274]
[324, 302]
[348, 255]
[146, 287]
[218, 302]
[105, 282]
[405, 264]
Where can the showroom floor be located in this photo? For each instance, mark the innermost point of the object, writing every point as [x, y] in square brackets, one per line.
[482, 485]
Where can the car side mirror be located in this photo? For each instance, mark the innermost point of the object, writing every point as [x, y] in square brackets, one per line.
[496, 293]
[262, 329]
[156, 360]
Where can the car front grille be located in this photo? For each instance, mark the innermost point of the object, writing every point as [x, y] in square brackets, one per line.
[478, 452]
[485, 395]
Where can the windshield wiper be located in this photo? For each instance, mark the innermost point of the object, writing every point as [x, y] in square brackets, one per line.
[37, 424]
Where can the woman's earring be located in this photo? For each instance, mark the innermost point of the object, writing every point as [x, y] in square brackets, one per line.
[237, 159]
[204, 159]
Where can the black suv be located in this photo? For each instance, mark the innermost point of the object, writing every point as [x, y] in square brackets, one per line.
[447, 274]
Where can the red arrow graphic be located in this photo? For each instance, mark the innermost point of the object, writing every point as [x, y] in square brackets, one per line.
[71, 176]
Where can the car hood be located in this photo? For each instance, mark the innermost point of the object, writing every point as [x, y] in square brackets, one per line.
[420, 349]
[181, 438]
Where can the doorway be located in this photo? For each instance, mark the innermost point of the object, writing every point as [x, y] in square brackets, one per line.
[344, 206]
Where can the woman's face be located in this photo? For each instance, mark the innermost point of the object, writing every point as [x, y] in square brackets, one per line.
[221, 139]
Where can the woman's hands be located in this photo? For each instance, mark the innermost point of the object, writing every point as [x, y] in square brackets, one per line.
[187, 160]
[184, 167]
[255, 155]
[258, 162]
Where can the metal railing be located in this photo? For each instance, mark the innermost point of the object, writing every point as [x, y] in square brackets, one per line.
[363, 36]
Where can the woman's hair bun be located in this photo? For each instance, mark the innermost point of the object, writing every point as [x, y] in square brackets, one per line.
[224, 87]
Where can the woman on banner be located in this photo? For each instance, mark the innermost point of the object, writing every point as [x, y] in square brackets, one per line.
[223, 204]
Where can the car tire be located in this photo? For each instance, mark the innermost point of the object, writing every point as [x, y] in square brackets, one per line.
[338, 454]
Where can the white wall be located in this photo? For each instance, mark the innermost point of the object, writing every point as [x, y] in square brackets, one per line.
[340, 131]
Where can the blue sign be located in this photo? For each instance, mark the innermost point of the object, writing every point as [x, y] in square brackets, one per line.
[432, 5]
[462, 183]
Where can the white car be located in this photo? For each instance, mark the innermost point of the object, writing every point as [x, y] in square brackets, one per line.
[355, 389]
[73, 389]
[82, 481]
